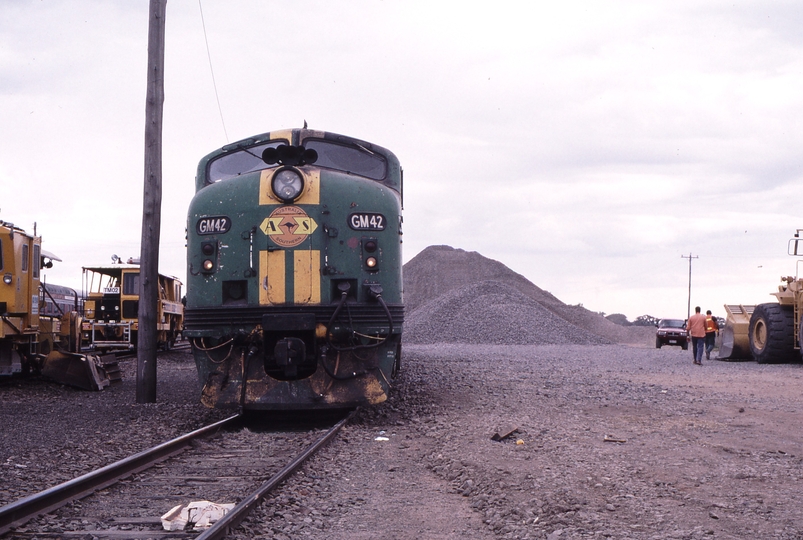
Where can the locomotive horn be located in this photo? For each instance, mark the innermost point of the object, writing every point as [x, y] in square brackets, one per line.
[289, 155]
[270, 156]
[309, 156]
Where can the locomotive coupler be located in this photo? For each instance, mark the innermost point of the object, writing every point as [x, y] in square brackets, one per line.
[288, 354]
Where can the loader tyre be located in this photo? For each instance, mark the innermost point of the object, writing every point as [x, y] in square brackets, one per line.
[800, 338]
[772, 334]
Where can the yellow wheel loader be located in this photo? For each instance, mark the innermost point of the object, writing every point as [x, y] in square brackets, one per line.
[771, 332]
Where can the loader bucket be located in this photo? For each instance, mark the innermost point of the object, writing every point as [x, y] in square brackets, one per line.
[88, 372]
[735, 335]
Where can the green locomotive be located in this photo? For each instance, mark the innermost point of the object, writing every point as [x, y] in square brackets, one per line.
[294, 272]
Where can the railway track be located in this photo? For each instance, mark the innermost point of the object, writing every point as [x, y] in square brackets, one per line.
[230, 461]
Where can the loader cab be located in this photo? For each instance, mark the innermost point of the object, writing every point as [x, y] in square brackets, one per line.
[22, 339]
[19, 265]
[111, 306]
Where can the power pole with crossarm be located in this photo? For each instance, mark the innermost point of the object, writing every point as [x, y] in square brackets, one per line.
[688, 306]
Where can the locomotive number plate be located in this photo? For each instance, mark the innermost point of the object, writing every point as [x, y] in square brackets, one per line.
[367, 222]
[213, 225]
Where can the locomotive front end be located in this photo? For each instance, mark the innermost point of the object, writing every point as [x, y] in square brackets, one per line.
[294, 286]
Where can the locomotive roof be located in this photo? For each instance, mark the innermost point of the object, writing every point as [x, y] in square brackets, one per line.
[391, 178]
[57, 289]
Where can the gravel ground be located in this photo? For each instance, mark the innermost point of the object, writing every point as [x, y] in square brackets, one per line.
[708, 452]
[52, 433]
[702, 452]
[614, 438]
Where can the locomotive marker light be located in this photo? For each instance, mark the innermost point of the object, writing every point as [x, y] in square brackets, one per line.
[370, 246]
[7, 279]
[208, 249]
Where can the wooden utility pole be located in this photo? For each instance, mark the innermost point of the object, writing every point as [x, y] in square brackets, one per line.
[151, 207]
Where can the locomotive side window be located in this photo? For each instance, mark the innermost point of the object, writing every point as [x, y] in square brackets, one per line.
[131, 284]
[240, 162]
[36, 261]
[24, 257]
[353, 159]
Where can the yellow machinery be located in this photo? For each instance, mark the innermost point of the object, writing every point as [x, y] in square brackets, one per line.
[111, 307]
[735, 342]
[773, 332]
[30, 339]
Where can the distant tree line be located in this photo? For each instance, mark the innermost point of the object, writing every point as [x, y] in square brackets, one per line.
[642, 320]
[645, 320]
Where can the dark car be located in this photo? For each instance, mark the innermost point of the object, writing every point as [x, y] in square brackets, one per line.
[672, 332]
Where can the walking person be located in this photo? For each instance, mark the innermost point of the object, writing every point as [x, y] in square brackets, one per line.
[711, 331]
[696, 328]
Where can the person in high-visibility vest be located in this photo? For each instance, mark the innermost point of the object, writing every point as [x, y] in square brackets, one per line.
[696, 328]
[711, 331]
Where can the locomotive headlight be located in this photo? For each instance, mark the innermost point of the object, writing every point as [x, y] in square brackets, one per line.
[287, 185]
[7, 279]
[370, 262]
[208, 265]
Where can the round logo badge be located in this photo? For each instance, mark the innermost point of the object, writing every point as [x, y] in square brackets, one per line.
[288, 226]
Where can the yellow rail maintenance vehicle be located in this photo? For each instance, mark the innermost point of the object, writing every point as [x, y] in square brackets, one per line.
[111, 306]
[39, 329]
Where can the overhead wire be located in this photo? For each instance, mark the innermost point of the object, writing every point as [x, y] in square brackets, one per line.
[212, 71]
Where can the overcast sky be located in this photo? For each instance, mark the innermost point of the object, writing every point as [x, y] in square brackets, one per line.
[589, 146]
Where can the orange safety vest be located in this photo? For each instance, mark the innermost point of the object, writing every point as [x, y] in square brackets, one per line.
[710, 325]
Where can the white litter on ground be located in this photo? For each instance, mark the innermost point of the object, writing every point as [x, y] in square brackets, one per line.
[202, 514]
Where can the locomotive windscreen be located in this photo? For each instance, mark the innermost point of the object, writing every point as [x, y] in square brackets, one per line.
[347, 158]
[352, 159]
[240, 162]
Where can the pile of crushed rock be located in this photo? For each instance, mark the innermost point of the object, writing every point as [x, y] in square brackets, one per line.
[456, 296]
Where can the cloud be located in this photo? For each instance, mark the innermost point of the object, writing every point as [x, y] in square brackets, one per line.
[588, 146]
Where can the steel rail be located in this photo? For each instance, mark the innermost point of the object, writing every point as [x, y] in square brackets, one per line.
[237, 514]
[17, 513]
